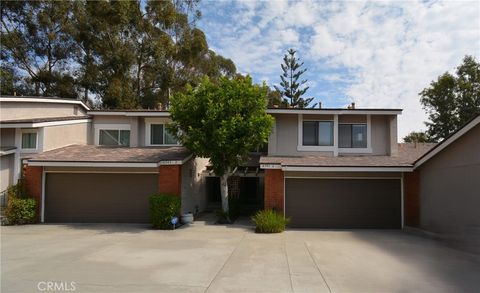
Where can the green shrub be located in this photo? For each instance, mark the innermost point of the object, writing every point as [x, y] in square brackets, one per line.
[163, 208]
[21, 211]
[269, 221]
[18, 190]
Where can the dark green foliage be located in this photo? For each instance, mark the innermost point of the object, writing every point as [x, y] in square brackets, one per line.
[20, 209]
[452, 100]
[421, 137]
[290, 87]
[222, 121]
[131, 54]
[18, 190]
[269, 221]
[163, 208]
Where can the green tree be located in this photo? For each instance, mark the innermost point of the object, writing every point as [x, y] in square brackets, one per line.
[452, 100]
[129, 54]
[222, 121]
[291, 88]
[414, 136]
[36, 37]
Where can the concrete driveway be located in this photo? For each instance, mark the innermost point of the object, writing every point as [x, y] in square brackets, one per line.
[209, 258]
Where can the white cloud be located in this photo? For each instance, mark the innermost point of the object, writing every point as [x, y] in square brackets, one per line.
[380, 54]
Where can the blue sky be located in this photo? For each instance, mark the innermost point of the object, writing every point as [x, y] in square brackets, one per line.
[377, 54]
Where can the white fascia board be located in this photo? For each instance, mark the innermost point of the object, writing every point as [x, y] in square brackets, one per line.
[334, 112]
[175, 162]
[90, 164]
[43, 100]
[106, 113]
[447, 142]
[270, 166]
[149, 114]
[44, 124]
[4, 153]
[107, 164]
[129, 114]
[346, 169]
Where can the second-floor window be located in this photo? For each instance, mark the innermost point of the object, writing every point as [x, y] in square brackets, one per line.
[114, 137]
[29, 140]
[159, 135]
[318, 133]
[352, 135]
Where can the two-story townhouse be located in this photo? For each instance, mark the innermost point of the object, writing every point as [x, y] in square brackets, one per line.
[337, 168]
[32, 125]
[131, 156]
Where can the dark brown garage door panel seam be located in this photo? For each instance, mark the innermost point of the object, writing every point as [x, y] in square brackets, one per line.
[343, 203]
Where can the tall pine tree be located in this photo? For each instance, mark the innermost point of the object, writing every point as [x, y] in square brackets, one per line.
[291, 88]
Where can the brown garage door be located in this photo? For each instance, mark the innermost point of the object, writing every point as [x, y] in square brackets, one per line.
[98, 198]
[343, 203]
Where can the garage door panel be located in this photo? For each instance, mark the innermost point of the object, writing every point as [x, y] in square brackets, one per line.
[343, 203]
[98, 198]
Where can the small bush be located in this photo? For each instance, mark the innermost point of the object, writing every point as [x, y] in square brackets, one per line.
[269, 221]
[163, 208]
[21, 211]
[18, 190]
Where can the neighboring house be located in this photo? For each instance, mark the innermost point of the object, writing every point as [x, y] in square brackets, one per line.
[32, 125]
[338, 168]
[131, 156]
[444, 193]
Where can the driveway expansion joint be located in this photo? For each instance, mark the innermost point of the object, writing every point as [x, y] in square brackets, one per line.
[316, 265]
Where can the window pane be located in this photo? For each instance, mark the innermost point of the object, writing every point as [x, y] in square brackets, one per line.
[309, 133]
[169, 138]
[156, 134]
[108, 137]
[125, 137]
[359, 135]
[345, 135]
[29, 140]
[325, 133]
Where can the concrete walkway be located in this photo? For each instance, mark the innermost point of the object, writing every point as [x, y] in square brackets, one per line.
[211, 258]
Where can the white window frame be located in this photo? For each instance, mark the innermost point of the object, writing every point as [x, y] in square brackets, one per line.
[314, 148]
[335, 149]
[118, 127]
[148, 130]
[37, 140]
[366, 150]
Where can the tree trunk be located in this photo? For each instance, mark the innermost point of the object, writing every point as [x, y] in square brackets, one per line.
[224, 191]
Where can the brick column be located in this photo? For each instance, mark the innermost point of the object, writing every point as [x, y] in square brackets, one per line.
[33, 184]
[411, 198]
[170, 179]
[274, 190]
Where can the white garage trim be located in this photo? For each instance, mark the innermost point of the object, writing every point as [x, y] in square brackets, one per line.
[42, 211]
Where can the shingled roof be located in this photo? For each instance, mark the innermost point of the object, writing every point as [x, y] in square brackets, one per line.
[408, 153]
[105, 154]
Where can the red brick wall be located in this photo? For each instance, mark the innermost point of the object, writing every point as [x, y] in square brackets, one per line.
[32, 178]
[274, 189]
[411, 198]
[170, 179]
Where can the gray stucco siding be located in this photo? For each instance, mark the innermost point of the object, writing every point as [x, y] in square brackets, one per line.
[450, 192]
